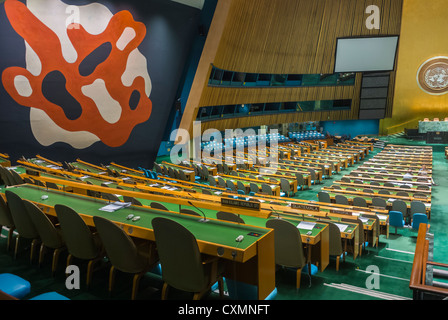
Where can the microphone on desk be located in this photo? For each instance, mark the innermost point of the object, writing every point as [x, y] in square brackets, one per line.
[278, 214]
[203, 219]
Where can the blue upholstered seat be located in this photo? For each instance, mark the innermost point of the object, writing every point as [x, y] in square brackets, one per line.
[50, 296]
[396, 220]
[418, 218]
[14, 285]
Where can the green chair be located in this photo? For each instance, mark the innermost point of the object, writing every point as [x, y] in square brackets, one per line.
[22, 221]
[341, 199]
[109, 197]
[286, 188]
[288, 246]
[16, 177]
[266, 189]
[324, 197]
[50, 235]
[183, 267]
[159, 206]
[6, 220]
[401, 206]
[335, 243]
[7, 176]
[124, 254]
[229, 216]
[417, 207]
[300, 181]
[132, 200]
[82, 243]
[359, 202]
[52, 185]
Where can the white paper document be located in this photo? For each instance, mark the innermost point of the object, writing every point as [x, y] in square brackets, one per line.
[341, 227]
[306, 225]
[112, 207]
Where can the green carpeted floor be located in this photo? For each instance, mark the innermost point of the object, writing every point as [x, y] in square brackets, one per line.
[391, 261]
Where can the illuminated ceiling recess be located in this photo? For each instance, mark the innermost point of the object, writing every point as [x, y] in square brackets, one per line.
[192, 3]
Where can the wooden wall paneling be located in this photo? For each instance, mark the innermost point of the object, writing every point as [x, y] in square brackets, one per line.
[287, 37]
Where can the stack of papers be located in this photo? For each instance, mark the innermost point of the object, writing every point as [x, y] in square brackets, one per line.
[112, 207]
[306, 225]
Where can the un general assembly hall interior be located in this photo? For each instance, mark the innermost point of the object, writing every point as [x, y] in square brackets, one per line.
[223, 151]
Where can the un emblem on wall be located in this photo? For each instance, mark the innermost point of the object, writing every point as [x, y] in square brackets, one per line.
[432, 76]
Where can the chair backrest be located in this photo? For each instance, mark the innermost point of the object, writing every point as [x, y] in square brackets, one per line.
[379, 202]
[254, 187]
[389, 184]
[300, 179]
[417, 207]
[206, 191]
[324, 196]
[221, 182]
[287, 243]
[189, 211]
[229, 216]
[396, 218]
[241, 186]
[179, 256]
[132, 200]
[5, 214]
[312, 173]
[212, 181]
[359, 202]
[80, 241]
[230, 185]
[7, 177]
[367, 190]
[157, 205]
[52, 185]
[340, 199]
[265, 188]
[120, 248]
[21, 219]
[335, 245]
[284, 185]
[109, 196]
[15, 177]
[418, 218]
[401, 206]
[48, 233]
[402, 194]
[382, 191]
[182, 175]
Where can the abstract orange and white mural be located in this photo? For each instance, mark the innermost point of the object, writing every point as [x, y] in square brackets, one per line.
[91, 79]
[55, 50]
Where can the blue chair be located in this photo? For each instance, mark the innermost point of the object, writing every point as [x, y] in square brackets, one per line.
[396, 220]
[418, 218]
[14, 285]
[50, 296]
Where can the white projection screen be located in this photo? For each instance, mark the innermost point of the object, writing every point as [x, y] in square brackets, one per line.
[366, 54]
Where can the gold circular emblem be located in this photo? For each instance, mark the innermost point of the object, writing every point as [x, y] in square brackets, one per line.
[432, 76]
